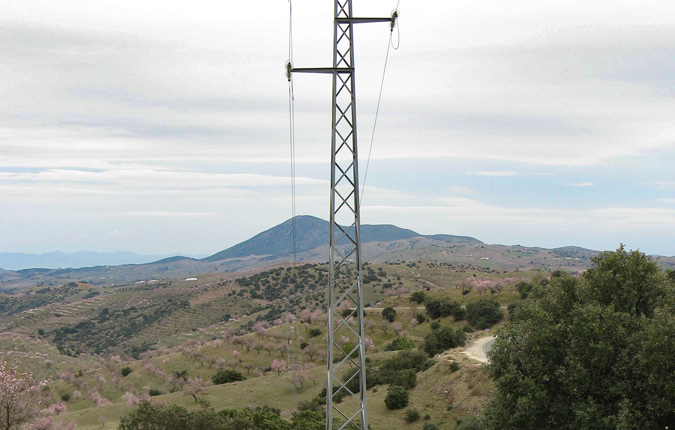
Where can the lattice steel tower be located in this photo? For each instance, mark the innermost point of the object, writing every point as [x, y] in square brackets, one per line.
[346, 336]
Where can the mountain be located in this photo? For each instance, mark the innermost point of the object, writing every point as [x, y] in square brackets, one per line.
[311, 233]
[58, 259]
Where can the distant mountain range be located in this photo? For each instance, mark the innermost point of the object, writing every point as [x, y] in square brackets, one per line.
[380, 243]
[58, 259]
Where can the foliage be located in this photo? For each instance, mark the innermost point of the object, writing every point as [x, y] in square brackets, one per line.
[397, 398]
[430, 426]
[443, 338]
[484, 313]
[404, 360]
[400, 343]
[389, 313]
[471, 423]
[125, 371]
[444, 307]
[158, 417]
[18, 397]
[225, 376]
[412, 415]
[599, 348]
[418, 297]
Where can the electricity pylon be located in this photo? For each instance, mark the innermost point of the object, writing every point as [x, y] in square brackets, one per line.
[346, 336]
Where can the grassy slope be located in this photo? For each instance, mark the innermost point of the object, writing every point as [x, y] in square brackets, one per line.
[208, 299]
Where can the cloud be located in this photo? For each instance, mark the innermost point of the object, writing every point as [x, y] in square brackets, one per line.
[583, 184]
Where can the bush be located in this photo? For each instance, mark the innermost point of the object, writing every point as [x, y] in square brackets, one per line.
[454, 366]
[444, 307]
[225, 376]
[65, 397]
[397, 398]
[421, 318]
[411, 415]
[154, 392]
[469, 424]
[404, 360]
[418, 297]
[435, 325]
[430, 426]
[400, 343]
[484, 313]
[445, 338]
[314, 332]
[403, 378]
[389, 313]
[126, 371]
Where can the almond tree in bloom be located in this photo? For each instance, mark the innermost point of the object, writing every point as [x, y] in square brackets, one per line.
[279, 366]
[19, 396]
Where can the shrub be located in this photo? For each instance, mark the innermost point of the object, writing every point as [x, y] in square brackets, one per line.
[404, 360]
[454, 366]
[397, 398]
[435, 325]
[445, 338]
[65, 397]
[404, 378]
[421, 318]
[400, 343]
[430, 426]
[126, 371]
[389, 313]
[470, 424]
[484, 313]
[314, 332]
[441, 308]
[411, 415]
[154, 392]
[418, 297]
[225, 376]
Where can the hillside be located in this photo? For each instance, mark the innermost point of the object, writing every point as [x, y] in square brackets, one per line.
[83, 336]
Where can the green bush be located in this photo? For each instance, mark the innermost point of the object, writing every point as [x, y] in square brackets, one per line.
[125, 371]
[411, 415]
[404, 360]
[471, 423]
[404, 378]
[484, 313]
[314, 332]
[389, 313]
[225, 376]
[430, 426]
[400, 343]
[65, 397]
[154, 392]
[418, 297]
[444, 338]
[397, 398]
[421, 318]
[444, 307]
[454, 366]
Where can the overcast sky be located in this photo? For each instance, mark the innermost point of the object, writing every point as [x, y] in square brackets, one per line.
[162, 126]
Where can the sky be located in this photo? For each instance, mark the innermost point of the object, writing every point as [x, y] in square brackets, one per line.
[162, 127]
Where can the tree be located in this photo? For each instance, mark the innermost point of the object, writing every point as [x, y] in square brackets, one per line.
[193, 387]
[483, 313]
[598, 347]
[443, 338]
[18, 397]
[389, 313]
[397, 398]
[418, 297]
[279, 366]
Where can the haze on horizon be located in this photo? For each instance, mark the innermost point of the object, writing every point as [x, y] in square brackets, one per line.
[162, 127]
